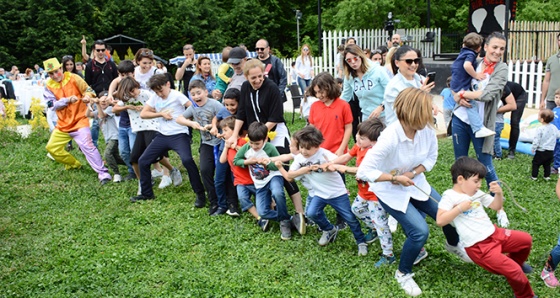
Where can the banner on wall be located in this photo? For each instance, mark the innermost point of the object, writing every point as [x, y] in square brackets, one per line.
[487, 16]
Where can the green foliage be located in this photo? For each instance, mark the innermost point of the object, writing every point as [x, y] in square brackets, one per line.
[63, 235]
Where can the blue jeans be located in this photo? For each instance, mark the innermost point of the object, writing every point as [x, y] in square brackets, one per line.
[474, 116]
[462, 136]
[126, 142]
[222, 170]
[342, 206]
[274, 189]
[416, 228]
[556, 163]
[244, 193]
[303, 84]
[95, 131]
[497, 144]
[554, 256]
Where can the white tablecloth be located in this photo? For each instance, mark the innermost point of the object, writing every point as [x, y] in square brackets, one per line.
[25, 91]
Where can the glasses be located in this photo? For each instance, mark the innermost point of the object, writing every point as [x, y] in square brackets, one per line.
[100, 50]
[146, 53]
[260, 49]
[409, 61]
[305, 49]
[353, 59]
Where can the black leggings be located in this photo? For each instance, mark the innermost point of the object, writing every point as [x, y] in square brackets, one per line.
[291, 187]
[514, 122]
[544, 158]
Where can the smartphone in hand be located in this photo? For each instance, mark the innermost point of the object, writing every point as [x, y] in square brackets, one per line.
[431, 77]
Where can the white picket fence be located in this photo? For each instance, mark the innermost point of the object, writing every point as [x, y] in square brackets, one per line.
[373, 38]
[530, 75]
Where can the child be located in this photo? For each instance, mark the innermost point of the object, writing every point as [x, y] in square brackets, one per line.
[225, 72]
[484, 242]
[330, 115]
[165, 106]
[448, 102]
[462, 73]
[267, 179]
[328, 187]
[241, 176]
[547, 274]
[556, 123]
[306, 104]
[225, 187]
[366, 206]
[104, 113]
[543, 144]
[203, 114]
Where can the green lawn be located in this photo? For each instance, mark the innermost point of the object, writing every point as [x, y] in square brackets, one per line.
[63, 235]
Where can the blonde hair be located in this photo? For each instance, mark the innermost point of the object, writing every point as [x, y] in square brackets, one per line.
[309, 54]
[253, 63]
[413, 108]
[388, 59]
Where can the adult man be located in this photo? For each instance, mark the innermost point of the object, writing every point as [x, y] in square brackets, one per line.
[13, 74]
[395, 41]
[237, 59]
[38, 70]
[100, 72]
[187, 69]
[551, 81]
[274, 68]
[8, 87]
[67, 94]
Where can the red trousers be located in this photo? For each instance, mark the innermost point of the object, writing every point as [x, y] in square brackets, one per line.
[489, 254]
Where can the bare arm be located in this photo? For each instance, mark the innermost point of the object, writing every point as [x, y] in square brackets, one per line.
[509, 106]
[149, 112]
[223, 156]
[472, 72]
[187, 122]
[345, 139]
[445, 217]
[545, 84]
[85, 56]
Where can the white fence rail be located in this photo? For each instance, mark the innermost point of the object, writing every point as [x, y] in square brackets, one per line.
[530, 75]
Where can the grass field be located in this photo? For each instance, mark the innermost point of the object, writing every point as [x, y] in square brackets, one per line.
[63, 235]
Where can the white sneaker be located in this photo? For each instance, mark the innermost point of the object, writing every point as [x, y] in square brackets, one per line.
[165, 182]
[459, 251]
[362, 249]
[502, 219]
[408, 284]
[176, 177]
[156, 173]
[484, 132]
[139, 188]
[117, 178]
[50, 156]
[392, 224]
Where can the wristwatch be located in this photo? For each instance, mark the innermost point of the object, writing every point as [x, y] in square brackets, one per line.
[414, 174]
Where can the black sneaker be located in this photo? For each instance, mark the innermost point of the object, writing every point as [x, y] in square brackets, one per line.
[213, 209]
[105, 181]
[200, 201]
[341, 225]
[232, 211]
[141, 198]
[511, 155]
[219, 211]
[264, 224]
[129, 177]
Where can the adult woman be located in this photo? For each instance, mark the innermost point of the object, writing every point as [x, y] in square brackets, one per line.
[376, 56]
[261, 101]
[388, 65]
[487, 93]
[395, 168]
[365, 79]
[69, 66]
[204, 73]
[160, 67]
[304, 67]
[383, 50]
[405, 61]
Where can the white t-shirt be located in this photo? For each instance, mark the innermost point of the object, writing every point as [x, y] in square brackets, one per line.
[473, 225]
[175, 102]
[143, 78]
[136, 123]
[326, 185]
[260, 174]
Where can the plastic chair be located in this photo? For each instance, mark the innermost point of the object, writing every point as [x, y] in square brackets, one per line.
[296, 99]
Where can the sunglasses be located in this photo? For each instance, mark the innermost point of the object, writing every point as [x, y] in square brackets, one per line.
[305, 49]
[68, 57]
[409, 61]
[353, 59]
[146, 53]
[260, 49]
[100, 50]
